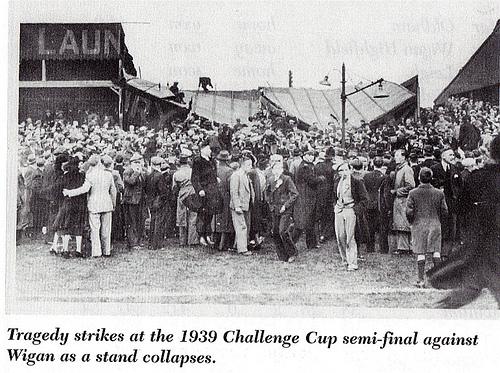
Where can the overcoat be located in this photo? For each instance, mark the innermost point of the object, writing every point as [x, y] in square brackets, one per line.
[425, 208]
[306, 182]
[403, 183]
[204, 177]
[223, 221]
[477, 264]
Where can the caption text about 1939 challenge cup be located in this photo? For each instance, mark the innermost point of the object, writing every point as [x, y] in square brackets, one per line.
[26, 346]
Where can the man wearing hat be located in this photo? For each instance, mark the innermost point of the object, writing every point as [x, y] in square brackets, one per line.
[133, 200]
[101, 202]
[224, 232]
[205, 184]
[158, 186]
[304, 213]
[29, 174]
[325, 195]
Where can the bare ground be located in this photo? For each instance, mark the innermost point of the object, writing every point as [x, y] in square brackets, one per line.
[189, 275]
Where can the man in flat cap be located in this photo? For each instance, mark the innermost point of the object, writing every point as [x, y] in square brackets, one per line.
[158, 190]
[133, 200]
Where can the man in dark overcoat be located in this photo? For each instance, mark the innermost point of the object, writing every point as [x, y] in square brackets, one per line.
[134, 180]
[304, 211]
[373, 180]
[224, 232]
[446, 176]
[158, 202]
[281, 194]
[477, 265]
[325, 214]
[205, 184]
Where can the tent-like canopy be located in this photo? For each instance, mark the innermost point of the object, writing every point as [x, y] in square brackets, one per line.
[318, 106]
[481, 72]
[222, 109]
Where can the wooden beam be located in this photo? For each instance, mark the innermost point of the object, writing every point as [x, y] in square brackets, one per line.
[68, 84]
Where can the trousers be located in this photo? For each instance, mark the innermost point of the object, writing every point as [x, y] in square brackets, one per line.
[241, 224]
[280, 232]
[345, 224]
[134, 223]
[100, 233]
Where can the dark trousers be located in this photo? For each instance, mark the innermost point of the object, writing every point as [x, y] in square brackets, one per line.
[311, 240]
[373, 218]
[134, 223]
[448, 234]
[223, 241]
[158, 227]
[204, 223]
[327, 223]
[285, 247]
[385, 227]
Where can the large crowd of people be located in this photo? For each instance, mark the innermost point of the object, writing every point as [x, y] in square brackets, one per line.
[398, 187]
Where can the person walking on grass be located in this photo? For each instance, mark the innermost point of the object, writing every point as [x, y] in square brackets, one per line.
[350, 197]
[425, 208]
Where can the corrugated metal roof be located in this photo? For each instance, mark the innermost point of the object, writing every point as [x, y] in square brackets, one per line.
[221, 109]
[161, 92]
[312, 105]
[481, 70]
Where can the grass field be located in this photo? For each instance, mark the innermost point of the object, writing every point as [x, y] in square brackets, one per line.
[188, 275]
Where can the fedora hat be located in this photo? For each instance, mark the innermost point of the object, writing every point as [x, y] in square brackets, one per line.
[223, 155]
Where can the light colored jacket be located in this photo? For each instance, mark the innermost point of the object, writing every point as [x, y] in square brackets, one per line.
[102, 191]
[241, 191]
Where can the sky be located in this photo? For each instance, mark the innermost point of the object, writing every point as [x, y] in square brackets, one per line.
[244, 45]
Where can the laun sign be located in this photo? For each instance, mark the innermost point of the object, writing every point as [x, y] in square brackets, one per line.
[70, 41]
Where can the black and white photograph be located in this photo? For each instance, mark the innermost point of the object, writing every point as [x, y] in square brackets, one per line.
[341, 155]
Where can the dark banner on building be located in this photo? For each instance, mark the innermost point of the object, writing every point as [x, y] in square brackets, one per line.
[70, 41]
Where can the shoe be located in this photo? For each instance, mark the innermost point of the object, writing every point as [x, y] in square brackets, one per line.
[66, 255]
[246, 253]
[397, 252]
[203, 242]
[322, 239]
[209, 241]
[78, 254]
[291, 259]
[52, 251]
[420, 284]
[106, 255]
[351, 268]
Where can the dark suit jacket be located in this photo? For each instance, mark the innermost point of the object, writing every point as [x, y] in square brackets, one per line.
[204, 177]
[281, 192]
[134, 183]
[307, 185]
[450, 181]
[373, 180]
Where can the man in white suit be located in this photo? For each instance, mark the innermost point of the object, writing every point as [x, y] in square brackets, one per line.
[101, 202]
[241, 196]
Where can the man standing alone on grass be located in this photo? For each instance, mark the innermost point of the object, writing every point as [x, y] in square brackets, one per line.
[349, 198]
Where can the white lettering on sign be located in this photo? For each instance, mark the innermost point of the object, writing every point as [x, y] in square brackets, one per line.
[41, 43]
[85, 43]
[70, 43]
